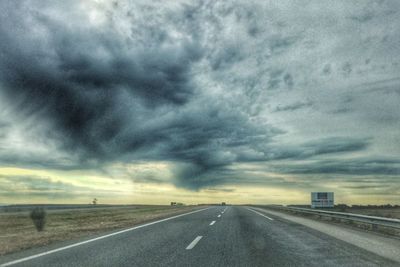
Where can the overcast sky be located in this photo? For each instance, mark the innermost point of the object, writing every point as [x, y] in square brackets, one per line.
[199, 101]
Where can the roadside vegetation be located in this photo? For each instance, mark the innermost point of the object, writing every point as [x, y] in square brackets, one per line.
[17, 232]
[388, 210]
[38, 216]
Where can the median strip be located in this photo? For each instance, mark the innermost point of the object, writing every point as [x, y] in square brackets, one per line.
[194, 242]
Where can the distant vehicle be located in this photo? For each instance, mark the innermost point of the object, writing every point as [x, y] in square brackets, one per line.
[223, 204]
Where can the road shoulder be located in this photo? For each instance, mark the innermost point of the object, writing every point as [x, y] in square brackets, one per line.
[383, 246]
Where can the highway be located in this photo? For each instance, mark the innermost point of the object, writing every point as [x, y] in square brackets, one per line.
[216, 236]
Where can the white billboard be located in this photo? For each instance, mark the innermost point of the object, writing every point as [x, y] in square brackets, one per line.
[322, 200]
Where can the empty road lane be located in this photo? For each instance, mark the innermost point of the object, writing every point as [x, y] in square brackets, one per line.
[218, 236]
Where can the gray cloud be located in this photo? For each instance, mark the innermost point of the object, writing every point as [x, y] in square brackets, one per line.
[366, 186]
[309, 149]
[108, 101]
[294, 106]
[30, 188]
[19, 187]
[327, 69]
[79, 89]
[191, 83]
[280, 44]
[229, 190]
[349, 167]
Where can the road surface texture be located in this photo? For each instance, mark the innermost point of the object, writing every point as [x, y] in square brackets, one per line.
[217, 236]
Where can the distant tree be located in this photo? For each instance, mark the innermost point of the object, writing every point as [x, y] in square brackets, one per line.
[38, 216]
[94, 201]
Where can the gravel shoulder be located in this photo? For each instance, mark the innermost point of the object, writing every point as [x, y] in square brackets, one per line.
[381, 245]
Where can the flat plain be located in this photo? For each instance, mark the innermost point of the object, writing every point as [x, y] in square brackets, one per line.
[17, 231]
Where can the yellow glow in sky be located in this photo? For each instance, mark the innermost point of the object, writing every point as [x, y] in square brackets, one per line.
[21, 185]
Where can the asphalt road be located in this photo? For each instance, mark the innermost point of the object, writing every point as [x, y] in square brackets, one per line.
[218, 236]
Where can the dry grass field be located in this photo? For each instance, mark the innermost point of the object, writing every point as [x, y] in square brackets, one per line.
[17, 231]
[370, 210]
[380, 212]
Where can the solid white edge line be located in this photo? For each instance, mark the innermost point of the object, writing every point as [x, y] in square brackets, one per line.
[94, 239]
[212, 222]
[260, 214]
[194, 242]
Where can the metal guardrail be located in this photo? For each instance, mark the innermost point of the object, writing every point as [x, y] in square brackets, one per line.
[373, 220]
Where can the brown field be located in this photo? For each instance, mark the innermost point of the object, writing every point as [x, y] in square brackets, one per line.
[373, 211]
[370, 210]
[17, 231]
[389, 213]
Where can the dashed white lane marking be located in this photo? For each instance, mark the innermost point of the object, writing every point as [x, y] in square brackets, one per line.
[194, 242]
[94, 239]
[212, 222]
[219, 215]
[269, 218]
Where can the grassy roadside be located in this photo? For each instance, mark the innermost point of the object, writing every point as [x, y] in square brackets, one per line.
[387, 211]
[379, 212]
[17, 231]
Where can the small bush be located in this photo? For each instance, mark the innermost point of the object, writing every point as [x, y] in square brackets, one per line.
[38, 216]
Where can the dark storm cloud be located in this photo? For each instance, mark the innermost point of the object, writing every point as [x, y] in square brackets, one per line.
[107, 101]
[207, 143]
[335, 145]
[188, 84]
[64, 79]
[307, 150]
[347, 167]
[262, 154]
